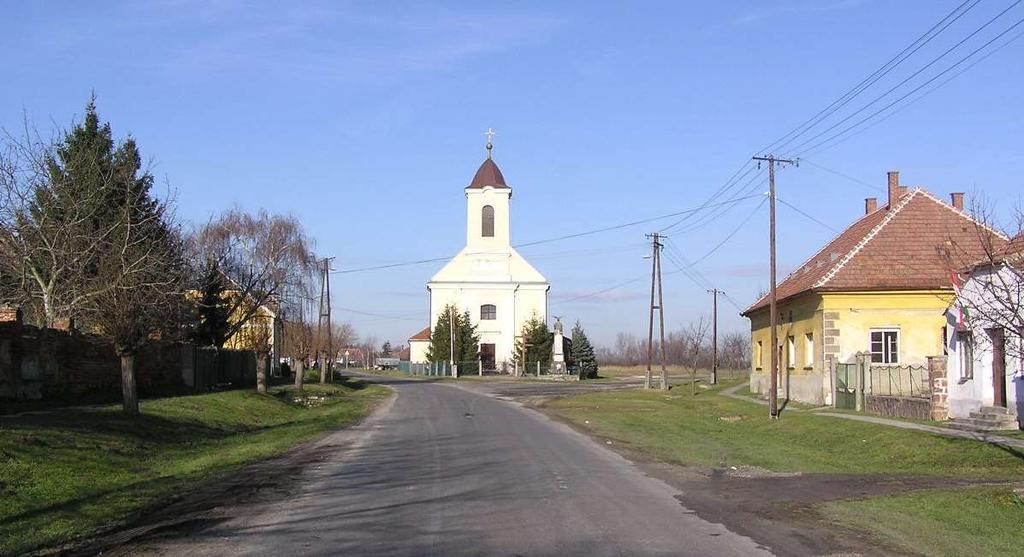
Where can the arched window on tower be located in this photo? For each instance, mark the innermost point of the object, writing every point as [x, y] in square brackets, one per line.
[488, 312]
[487, 221]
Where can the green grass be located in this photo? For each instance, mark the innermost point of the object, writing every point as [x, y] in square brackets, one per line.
[677, 427]
[66, 474]
[970, 521]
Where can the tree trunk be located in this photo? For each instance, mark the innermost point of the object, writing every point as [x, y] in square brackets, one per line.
[299, 372]
[129, 397]
[323, 371]
[261, 373]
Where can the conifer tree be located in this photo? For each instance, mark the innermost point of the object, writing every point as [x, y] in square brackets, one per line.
[212, 324]
[463, 336]
[535, 342]
[583, 352]
[385, 349]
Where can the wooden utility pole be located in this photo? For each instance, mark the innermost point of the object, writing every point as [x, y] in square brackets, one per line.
[656, 247]
[773, 384]
[714, 334]
[324, 323]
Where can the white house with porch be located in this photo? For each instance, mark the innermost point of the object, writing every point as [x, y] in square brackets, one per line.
[984, 344]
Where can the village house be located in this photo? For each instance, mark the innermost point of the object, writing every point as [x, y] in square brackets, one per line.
[877, 291]
[488, 278]
[985, 364]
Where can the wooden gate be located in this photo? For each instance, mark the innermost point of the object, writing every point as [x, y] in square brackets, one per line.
[846, 386]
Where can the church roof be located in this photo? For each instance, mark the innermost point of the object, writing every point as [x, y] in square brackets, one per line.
[488, 175]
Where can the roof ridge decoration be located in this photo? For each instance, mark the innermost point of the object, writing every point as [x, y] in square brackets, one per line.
[867, 238]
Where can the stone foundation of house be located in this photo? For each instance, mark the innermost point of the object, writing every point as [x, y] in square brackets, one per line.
[899, 407]
[800, 388]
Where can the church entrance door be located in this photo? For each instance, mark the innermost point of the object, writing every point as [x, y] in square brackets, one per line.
[487, 357]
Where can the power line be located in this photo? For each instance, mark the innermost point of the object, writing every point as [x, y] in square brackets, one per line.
[549, 240]
[731, 234]
[808, 216]
[841, 175]
[899, 109]
[873, 78]
[912, 76]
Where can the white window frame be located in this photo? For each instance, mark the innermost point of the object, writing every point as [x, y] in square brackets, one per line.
[791, 352]
[808, 350]
[759, 355]
[965, 350]
[888, 352]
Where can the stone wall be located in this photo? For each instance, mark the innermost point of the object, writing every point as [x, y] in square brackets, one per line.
[899, 407]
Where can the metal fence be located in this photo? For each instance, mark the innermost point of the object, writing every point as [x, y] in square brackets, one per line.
[479, 368]
[893, 380]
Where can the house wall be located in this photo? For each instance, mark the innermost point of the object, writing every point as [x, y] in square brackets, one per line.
[969, 393]
[418, 351]
[801, 377]
[841, 324]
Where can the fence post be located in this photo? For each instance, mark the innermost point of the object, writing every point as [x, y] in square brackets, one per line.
[858, 393]
[538, 370]
[480, 367]
[833, 377]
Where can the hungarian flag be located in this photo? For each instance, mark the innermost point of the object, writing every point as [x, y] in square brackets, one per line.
[963, 315]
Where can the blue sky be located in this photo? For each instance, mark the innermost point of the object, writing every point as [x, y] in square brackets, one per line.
[366, 120]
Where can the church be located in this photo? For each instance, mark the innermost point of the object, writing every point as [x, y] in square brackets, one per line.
[488, 278]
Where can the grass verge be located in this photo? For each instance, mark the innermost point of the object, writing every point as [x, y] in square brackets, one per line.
[712, 430]
[969, 521]
[66, 474]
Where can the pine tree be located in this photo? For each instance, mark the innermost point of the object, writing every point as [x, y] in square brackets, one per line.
[385, 349]
[212, 324]
[583, 352]
[464, 337]
[535, 342]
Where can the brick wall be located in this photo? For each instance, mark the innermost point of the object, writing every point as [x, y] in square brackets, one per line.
[40, 363]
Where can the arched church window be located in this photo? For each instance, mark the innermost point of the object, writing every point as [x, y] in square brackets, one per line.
[488, 222]
[488, 312]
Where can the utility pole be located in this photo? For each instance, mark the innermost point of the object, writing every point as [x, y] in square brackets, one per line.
[324, 323]
[714, 334]
[656, 247]
[451, 340]
[773, 384]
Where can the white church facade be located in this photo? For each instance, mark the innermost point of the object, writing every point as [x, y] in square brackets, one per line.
[488, 278]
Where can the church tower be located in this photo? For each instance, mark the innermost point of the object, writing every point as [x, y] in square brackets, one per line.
[489, 278]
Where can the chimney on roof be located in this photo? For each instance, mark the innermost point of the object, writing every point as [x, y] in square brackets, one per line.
[870, 205]
[956, 199]
[894, 186]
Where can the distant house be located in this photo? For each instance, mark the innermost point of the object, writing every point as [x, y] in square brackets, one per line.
[418, 346]
[265, 329]
[879, 288]
[984, 342]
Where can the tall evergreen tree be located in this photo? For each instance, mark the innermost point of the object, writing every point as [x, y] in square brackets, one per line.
[385, 349]
[463, 336]
[583, 352]
[534, 343]
[212, 325]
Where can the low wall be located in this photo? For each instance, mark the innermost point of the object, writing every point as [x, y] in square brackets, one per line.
[40, 363]
[899, 407]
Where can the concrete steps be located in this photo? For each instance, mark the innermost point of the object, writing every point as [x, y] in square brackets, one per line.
[988, 418]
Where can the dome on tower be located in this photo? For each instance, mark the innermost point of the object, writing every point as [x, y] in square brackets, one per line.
[488, 175]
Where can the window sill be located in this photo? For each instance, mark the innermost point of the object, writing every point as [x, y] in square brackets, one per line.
[964, 380]
[808, 368]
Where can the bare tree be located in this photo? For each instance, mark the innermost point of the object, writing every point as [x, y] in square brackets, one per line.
[694, 336]
[143, 270]
[264, 256]
[992, 294]
[51, 233]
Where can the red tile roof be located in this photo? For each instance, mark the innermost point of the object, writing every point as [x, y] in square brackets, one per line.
[488, 175]
[911, 246]
[422, 335]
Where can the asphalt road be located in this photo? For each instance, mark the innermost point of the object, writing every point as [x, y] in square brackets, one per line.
[450, 470]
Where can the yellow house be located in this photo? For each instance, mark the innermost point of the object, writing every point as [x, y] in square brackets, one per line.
[880, 289]
[264, 329]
